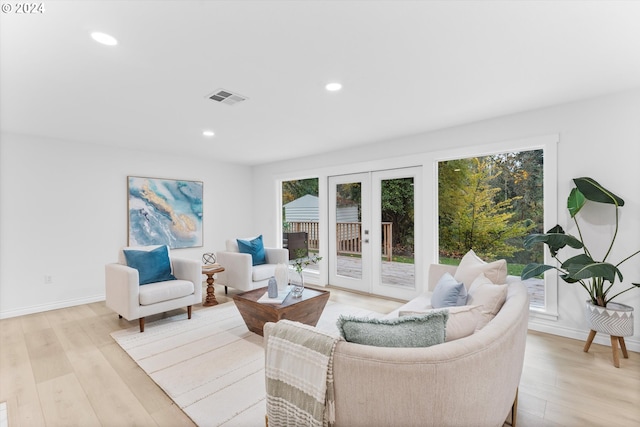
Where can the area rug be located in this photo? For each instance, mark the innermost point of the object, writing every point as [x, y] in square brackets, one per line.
[211, 366]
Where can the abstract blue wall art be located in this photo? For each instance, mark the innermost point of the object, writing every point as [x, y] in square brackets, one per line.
[165, 212]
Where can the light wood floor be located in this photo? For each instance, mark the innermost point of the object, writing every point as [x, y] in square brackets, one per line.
[62, 368]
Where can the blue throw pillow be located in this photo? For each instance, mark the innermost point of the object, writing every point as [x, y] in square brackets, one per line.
[447, 292]
[255, 248]
[462, 296]
[153, 266]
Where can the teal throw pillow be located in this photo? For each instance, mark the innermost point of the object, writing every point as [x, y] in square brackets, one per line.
[153, 266]
[409, 331]
[448, 293]
[255, 248]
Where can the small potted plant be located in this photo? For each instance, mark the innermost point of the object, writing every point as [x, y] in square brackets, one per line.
[299, 263]
[596, 277]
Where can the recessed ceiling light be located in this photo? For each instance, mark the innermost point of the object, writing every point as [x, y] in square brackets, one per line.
[333, 87]
[105, 39]
[208, 133]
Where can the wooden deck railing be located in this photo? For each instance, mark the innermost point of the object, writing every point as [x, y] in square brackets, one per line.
[311, 228]
[348, 236]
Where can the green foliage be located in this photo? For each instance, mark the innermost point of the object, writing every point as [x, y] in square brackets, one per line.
[473, 211]
[575, 202]
[596, 193]
[350, 194]
[398, 208]
[596, 277]
[303, 261]
[292, 190]
[555, 239]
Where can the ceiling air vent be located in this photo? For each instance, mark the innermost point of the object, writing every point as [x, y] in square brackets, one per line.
[226, 97]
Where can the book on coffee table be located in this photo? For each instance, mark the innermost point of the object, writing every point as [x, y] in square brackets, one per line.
[264, 299]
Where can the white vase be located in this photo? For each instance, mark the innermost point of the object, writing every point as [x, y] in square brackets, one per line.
[282, 277]
[614, 319]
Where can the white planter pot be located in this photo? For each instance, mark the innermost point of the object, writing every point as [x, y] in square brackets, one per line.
[614, 319]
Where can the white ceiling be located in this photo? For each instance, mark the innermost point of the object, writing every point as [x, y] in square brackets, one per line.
[406, 67]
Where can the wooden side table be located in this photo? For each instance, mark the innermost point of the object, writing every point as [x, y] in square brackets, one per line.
[210, 270]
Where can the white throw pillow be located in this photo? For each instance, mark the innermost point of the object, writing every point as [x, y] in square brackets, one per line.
[471, 266]
[488, 296]
[462, 322]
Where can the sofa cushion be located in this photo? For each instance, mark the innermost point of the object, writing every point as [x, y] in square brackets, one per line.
[462, 322]
[420, 303]
[263, 272]
[489, 296]
[471, 266]
[423, 330]
[253, 247]
[154, 293]
[447, 292]
[152, 265]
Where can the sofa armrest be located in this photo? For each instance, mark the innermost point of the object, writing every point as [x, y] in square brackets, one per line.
[266, 333]
[190, 270]
[276, 256]
[237, 269]
[122, 290]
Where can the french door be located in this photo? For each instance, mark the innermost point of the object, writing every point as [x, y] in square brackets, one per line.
[374, 218]
[349, 231]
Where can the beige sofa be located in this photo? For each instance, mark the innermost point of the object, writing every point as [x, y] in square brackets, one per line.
[472, 381]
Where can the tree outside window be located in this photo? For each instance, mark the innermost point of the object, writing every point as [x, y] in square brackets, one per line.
[490, 204]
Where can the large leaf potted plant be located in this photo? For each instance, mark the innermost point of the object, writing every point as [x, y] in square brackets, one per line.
[596, 277]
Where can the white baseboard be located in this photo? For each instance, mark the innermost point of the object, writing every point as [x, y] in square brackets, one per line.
[47, 307]
[632, 343]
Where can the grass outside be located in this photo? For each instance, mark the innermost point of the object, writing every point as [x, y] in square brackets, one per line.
[400, 258]
[394, 258]
[512, 268]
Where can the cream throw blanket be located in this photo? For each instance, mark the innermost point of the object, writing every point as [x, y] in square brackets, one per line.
[299, 376]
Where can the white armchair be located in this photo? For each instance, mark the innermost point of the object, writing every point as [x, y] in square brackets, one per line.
[130, 300]
[239, 271]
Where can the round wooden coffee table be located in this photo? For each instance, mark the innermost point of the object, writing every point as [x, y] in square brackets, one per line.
[210, 270]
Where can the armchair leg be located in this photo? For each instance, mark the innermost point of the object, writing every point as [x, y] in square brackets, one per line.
[189, 311]
[119, 316]
[141, 322]
[225, 290]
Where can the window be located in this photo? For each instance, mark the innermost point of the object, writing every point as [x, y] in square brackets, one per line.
[489, 203]
[300, 218]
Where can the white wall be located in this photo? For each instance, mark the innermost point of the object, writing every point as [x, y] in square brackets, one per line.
[598, 138]
[63, 213]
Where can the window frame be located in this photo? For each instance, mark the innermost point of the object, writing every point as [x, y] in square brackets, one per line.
[311, 276]
[549, 145]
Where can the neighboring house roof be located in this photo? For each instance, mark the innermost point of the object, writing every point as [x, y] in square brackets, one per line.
[306, 201]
